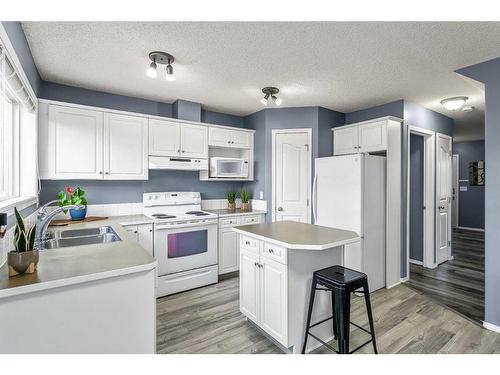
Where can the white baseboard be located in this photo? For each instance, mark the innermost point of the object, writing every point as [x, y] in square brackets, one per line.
[491, 327]
[472, 229]
[393, 285]
[418, 262]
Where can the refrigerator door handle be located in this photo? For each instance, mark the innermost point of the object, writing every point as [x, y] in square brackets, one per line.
[314, 197]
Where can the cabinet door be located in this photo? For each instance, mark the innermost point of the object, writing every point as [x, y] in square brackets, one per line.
[145, 237]
[75, 143]
[228, 251]
[164, 138]
[239, 139]
[274, 300]
[373, 137]
[194, 143]
[219, 137]
[345, 141]
[125, 147]
[249, 284]
[133, 229]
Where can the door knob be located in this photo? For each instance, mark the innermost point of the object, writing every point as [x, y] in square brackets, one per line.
[280, 208]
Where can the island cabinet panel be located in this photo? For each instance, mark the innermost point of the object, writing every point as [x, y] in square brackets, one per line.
[249, 284]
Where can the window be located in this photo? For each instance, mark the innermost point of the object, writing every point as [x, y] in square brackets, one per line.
[8, 141]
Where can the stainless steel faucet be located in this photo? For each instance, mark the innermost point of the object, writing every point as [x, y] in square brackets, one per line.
[44, 218]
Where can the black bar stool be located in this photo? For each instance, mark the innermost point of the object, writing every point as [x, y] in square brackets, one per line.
[341, 282]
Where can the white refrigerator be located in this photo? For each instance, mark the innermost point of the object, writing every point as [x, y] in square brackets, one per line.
[349, 192]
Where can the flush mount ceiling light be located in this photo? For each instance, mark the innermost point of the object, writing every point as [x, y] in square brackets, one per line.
[468, 108]
[454, 104]
[163, 58]
[270, 92]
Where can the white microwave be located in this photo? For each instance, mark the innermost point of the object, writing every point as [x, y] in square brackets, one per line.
[229, 167]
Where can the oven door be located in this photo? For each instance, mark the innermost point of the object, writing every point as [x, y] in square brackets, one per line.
[185, 247]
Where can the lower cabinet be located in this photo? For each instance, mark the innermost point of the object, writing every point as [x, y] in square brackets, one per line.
[229, 259]
[143, 234]
[263, 292]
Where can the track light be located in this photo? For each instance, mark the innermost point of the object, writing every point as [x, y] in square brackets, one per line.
[151, 72]
[163, 58]
[270, 92]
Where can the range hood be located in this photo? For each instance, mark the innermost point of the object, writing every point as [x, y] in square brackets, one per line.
[178, 163]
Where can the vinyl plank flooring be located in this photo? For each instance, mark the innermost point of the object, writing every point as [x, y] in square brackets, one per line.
[458, 283]
[208, 320]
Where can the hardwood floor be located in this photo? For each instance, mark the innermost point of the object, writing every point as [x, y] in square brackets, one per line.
[207, 320]
[458, 283]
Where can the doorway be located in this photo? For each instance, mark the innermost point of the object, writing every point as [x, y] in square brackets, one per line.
[291, 174]
[455, 195]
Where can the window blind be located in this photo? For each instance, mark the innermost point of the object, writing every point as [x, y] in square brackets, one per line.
[11, 80]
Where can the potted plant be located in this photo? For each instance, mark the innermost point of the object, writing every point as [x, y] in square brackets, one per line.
[231, 200]
[75, 197]
[245, 200]
[23, 259]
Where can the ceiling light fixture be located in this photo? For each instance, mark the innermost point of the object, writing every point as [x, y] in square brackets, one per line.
[163, 58]
[468, 108]
[271, 92]
[454, 104]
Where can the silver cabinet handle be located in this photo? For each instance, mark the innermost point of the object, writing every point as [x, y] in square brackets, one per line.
[179, 151]
[107, 173]
[183, 151]
[271, 251]
[229, 142]
[442, 207]
[247, 243]
[100, 172]
[280, 208]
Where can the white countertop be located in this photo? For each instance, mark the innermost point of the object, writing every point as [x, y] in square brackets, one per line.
[79, 264]
[299, 236]
[237, 212]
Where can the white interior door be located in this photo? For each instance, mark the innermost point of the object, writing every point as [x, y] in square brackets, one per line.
[454, 192]
[292, 165]
[443, 198]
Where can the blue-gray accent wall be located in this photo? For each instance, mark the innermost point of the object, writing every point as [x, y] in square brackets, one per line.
[470, 202]
[488, 73]
[186, 110]
[416, 203]
[395, 109]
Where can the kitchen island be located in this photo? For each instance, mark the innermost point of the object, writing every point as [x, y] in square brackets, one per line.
[277, 261]
[96, 298]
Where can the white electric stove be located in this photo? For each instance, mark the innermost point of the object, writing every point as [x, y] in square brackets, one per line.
[185, 241]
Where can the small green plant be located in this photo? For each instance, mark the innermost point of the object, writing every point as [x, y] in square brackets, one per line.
[70, 196]
[231, 196]
[245, 196]
[24, 238]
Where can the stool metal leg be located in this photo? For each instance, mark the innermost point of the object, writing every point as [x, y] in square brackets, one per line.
[342, 318]
[309, 313]
[370, 316]
[335, 333]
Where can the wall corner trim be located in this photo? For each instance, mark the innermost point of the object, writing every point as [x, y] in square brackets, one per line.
[491, 327]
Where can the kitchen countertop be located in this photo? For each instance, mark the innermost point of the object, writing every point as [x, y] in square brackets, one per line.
[299, 236]
[237, 212]
[80, 264]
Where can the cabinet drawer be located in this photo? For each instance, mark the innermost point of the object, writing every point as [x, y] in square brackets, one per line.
[274, 252]
[250, 243]
[226, 222]
[250, 219]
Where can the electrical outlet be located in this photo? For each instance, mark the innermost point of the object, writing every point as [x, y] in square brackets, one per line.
[261, 195]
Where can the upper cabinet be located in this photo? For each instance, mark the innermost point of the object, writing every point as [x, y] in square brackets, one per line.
[222, 137]
[78, 143]
[369, 136]
[172, 138]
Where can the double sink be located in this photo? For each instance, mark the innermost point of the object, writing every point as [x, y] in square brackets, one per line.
[80, 237]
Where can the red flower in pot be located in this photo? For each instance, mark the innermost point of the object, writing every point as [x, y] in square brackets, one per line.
[74, 197]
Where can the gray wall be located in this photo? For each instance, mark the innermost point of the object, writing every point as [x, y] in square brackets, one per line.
[470, 202]
[489, 73]
[18, 39]
[186, 110]
[416, 197]
[389, 109]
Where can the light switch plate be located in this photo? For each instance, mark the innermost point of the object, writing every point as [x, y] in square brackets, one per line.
[463, 188]
[261, 195]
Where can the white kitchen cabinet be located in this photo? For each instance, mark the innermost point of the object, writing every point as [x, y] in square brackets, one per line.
[228, 249]
[74, 144]
[373, 137]
[164, 138]
[345, 140]
[125, 147]
[143, 234]
[264, 289]
[194, 142]
[87, 144]
[222, 137]
[367, 136]
[250, 284]
[172, 138]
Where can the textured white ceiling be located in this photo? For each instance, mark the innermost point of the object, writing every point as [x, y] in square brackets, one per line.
[342, 66]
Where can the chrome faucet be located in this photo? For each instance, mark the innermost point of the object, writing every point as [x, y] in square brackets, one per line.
[43, 218]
